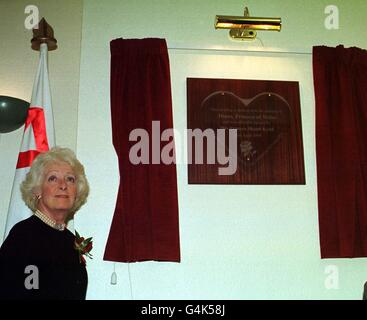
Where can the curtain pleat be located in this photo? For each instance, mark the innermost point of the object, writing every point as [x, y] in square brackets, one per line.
[145, 223]
[340, 83]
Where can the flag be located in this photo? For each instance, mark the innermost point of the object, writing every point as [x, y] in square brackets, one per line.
[38, 137]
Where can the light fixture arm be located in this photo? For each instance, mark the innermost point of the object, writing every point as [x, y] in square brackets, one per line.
[246, 12]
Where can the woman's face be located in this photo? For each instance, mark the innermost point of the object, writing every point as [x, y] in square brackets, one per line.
[58, 189]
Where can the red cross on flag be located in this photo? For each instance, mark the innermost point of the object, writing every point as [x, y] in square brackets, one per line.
[38, 137]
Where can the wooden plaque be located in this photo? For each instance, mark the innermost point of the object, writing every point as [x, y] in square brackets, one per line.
[267, 119]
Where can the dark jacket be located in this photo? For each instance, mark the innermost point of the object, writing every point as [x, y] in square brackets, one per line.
[39, 262]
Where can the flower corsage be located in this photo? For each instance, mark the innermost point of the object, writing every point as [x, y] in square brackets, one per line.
[83, 246]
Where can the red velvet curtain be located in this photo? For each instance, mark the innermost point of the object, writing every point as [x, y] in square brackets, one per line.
[340, 81]
[145, 222]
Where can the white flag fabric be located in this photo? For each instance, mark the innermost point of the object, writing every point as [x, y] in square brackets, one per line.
[38, 136]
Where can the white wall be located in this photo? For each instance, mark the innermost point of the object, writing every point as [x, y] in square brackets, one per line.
[237, 242]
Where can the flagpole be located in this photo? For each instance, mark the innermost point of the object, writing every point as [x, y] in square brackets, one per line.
[39, 134]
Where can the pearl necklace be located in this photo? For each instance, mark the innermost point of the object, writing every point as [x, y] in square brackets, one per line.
[50, 222]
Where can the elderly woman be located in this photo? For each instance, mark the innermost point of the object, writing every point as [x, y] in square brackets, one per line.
[39, 259]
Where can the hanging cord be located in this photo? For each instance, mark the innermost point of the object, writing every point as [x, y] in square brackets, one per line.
[114, 275]
[130, 282]
[262, 43]
[114, 278]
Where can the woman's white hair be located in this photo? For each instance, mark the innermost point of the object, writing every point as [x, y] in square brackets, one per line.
[35, 176]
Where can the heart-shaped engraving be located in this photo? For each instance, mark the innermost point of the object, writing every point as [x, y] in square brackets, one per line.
[260, 121]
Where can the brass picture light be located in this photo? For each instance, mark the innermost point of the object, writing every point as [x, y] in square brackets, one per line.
[244, 28]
